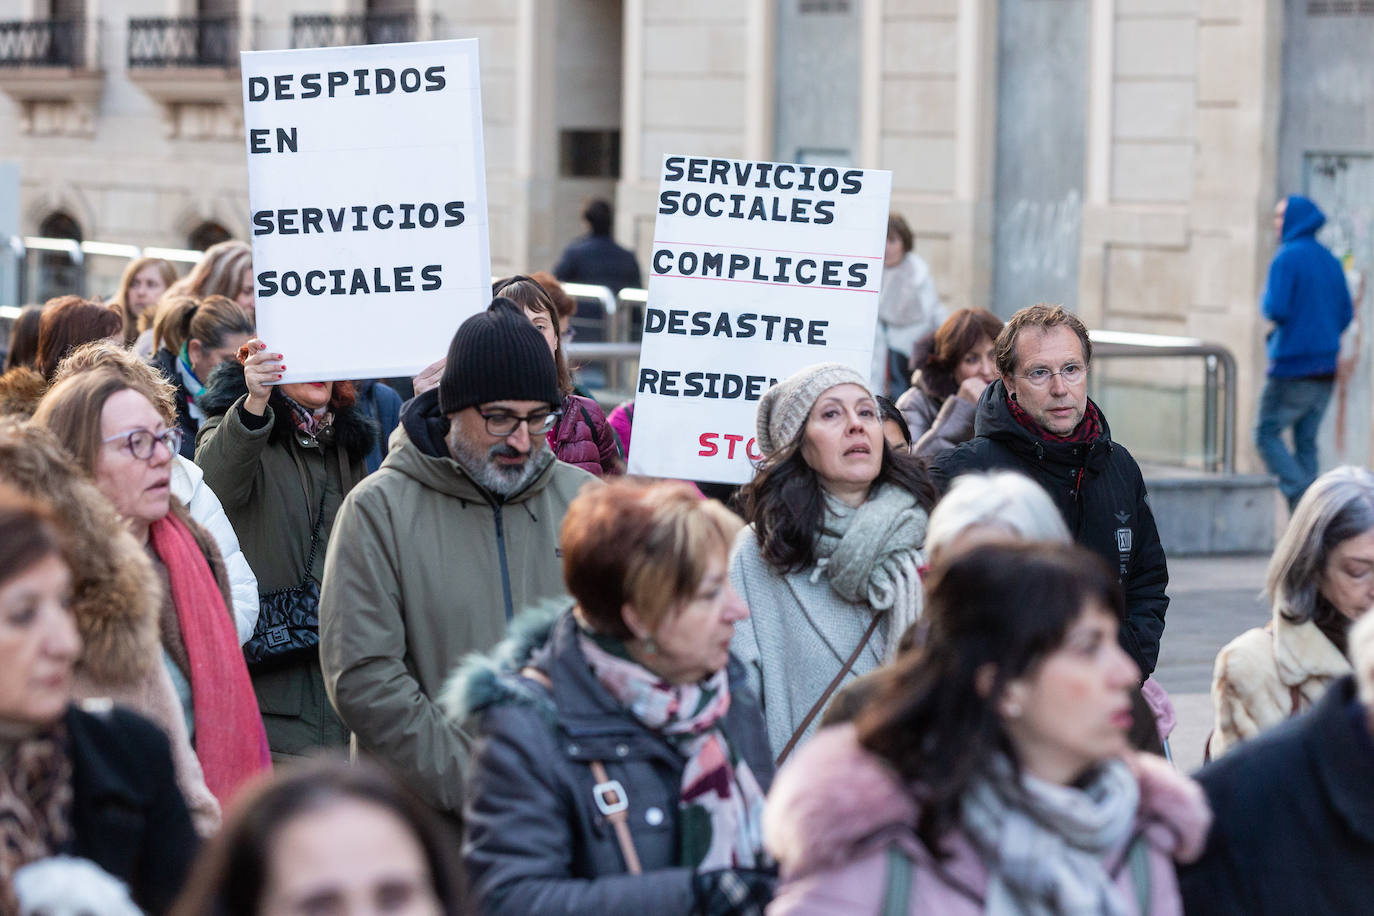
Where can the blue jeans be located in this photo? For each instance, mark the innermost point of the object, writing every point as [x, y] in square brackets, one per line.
[1296, 403]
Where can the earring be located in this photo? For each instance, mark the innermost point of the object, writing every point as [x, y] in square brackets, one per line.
[1012, 709]
[650, 647]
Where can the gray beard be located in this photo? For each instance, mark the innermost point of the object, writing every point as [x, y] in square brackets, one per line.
[498, 479]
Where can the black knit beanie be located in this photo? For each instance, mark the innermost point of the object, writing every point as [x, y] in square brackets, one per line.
[498, 355]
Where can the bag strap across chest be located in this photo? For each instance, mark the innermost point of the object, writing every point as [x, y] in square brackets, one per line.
[608, 793]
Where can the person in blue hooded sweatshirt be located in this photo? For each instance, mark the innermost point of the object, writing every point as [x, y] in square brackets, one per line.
[1307, 299]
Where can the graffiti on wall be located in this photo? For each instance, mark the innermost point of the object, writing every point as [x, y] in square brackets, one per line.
[1041, 236]
[1343, 186]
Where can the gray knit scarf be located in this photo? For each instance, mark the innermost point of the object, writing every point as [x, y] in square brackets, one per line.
[1044, 844]
[872, 555]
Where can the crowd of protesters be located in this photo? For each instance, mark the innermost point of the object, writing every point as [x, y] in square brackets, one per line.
[904, 670]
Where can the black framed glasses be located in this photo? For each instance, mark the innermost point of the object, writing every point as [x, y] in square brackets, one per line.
[500, 423]
[1072, 374]
[142, 442]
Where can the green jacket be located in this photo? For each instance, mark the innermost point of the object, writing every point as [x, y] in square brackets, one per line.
[426, 567]
[271, 480]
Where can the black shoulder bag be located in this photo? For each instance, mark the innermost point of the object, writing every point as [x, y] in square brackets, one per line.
[288, 624]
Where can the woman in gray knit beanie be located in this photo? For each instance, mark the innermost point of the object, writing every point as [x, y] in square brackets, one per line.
[829, 564]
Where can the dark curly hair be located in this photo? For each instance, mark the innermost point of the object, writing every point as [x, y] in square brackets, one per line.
[786, 505]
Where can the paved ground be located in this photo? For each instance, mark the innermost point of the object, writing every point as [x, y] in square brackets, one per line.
[1213, 599]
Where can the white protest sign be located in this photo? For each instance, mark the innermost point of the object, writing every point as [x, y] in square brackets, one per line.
[367, 183]
[759, 269]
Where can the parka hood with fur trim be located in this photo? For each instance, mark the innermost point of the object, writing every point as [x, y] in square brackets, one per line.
[21, 389]
[115, 593]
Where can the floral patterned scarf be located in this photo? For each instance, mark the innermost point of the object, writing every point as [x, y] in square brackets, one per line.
[35, 805]
[720, 811]
[308, 421]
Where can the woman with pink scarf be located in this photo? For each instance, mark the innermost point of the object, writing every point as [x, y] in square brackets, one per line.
[620, 764]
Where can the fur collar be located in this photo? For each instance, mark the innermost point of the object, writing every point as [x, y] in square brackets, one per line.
[116, 595]
[834, 798]
[21, 389]
[1302, 651]
[354, 432]
[492, 679]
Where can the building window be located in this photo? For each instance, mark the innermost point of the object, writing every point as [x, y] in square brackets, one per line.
[59, 274]
[589, 153]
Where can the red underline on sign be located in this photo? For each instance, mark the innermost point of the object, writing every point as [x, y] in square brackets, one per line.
[832, 289]
[819, 254]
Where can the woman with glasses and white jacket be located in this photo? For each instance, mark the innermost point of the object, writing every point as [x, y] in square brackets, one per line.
[121, 440]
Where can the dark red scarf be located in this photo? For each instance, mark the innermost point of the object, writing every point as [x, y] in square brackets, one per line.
[1089, 429]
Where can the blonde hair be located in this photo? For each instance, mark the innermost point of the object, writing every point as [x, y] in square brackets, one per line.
[216, 274]
[210, 320]
[133, 324]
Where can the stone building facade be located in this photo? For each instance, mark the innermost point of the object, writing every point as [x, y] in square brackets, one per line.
[1120, 156]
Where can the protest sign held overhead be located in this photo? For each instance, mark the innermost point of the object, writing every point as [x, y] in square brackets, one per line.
[367, 185]
[758, 269]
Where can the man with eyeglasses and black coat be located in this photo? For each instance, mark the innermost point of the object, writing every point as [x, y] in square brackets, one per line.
[435, 552]
[1037, 419]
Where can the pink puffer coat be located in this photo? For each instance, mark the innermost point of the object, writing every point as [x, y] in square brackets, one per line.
[584, 439]
[836, 810]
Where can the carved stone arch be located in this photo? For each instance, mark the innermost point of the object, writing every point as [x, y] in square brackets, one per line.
[45, 201]
[203, 208]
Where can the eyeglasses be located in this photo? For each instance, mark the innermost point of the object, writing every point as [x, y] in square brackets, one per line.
[503, 424]
[141, 442]
[1072, 374]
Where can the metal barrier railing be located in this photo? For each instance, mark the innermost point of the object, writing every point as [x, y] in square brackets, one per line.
[1218, 427]
[615, 331]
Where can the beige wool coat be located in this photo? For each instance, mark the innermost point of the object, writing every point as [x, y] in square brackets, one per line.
[1268, 674]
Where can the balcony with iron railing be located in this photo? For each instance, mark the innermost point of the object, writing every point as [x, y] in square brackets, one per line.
[42, 43]
[191, 61]
[329, 31]
[48, 67]
[160, 42]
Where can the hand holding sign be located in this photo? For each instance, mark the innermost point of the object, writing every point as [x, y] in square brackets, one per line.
[261, 370]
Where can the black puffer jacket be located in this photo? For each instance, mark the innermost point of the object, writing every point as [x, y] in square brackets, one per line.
[1101, 494]
[1294, 827]
[536, 841]
[165, 361]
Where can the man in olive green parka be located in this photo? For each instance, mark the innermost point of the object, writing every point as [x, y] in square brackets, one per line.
[435, 552]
